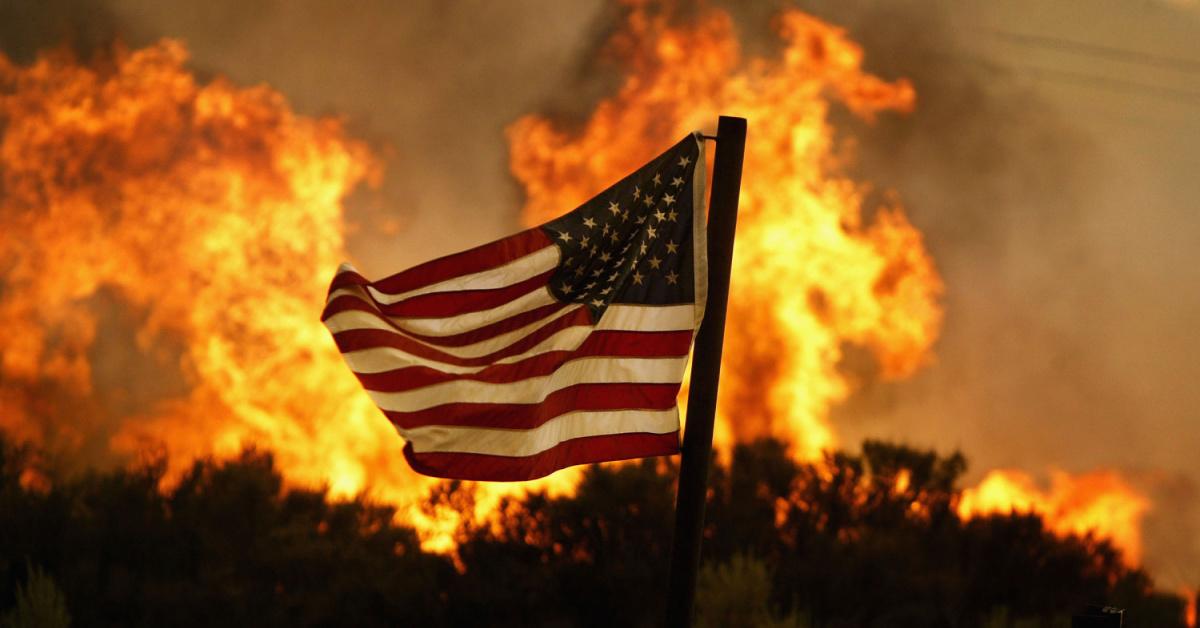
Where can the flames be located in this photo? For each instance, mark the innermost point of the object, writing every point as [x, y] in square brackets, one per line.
[811, 273]
[210, 216]
[1100, 503]
[167, 245]
[814, 270]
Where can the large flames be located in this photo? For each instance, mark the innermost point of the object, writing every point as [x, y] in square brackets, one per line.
[812, 273]
[212, 216]
[194, 227]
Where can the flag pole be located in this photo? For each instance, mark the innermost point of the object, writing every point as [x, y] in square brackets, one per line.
[706, 373]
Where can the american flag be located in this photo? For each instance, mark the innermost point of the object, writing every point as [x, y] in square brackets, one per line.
[560, 345]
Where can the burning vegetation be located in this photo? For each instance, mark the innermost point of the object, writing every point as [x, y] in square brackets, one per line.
[198, 223]
[815, 270]
[167, 243]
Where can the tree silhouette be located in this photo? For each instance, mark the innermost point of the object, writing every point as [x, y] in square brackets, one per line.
[860, 539]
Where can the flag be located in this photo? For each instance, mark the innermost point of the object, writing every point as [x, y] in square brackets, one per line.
[560, 345]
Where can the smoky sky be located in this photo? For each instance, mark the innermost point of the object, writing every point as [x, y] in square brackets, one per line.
[1060, 212]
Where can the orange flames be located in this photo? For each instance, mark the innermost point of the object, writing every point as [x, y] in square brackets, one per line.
[1099, 502]
[152, 220]
[213, 215]
[813, 271]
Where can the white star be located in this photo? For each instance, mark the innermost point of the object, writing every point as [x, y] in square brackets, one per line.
[613, 277]
[642, 251]
[567, 289]
[564, 236]
[648, 200]
[684, 161]
[668, 199]
[625, 215]
[604, 257]
[654, 262]
[579, 271]
[614, 208]
[597, 302]
[658, 215]
[615, 237]
[672, 247]
[651, 233]
[605, 231]
[672, 277]
[597, 272]
[606, 290]
[657, 179]
[637, 278]
[672, 215]
[589, 286]
[583, 242]
[637, 193]
[676, 181]
[640, 219]
[588, 222]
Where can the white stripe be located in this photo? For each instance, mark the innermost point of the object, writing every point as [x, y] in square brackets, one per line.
[616, 318]
[536, 389]
[355, 319]
[383, 359]
[501, 442]
[517, 270]
[648, 317]
[445, 325]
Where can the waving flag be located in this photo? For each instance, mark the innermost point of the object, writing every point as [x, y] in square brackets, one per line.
[560, 345]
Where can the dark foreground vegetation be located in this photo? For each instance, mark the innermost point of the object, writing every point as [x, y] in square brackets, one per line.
[787, 545]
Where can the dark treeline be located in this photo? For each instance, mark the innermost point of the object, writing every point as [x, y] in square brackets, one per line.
[787, 544]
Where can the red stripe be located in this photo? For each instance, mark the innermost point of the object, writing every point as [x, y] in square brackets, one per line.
[460, 466]
[440, 304]
[524, 416]
[474, 260]
[347, 303]
[629, 344]
[358, 339]
[479, 334]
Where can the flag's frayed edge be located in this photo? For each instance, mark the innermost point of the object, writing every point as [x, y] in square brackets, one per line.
[700, 231]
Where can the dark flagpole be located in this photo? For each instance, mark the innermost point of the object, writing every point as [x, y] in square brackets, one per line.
[706, 373]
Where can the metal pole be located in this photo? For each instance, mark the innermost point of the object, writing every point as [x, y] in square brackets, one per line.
[706, 373]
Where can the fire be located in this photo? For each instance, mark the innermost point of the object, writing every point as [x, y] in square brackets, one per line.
[190, 230]
[1100, 503]
[811, 272]
[814, 271]
[213, 216]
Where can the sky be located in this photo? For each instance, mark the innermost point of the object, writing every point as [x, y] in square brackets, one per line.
[1051, 162]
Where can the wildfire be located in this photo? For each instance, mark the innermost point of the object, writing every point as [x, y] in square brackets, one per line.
[1100, 503]
[212, 215]
[813, 271]
[195, 226]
